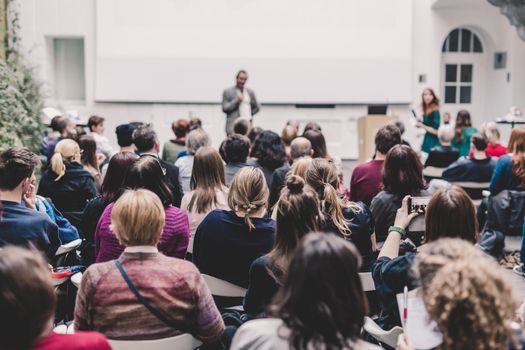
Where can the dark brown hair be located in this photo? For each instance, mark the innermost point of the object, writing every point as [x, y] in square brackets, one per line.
[27, 297]
[387, 137]
[94, 120]
[318, 142]
[207, 177]
[517, 148]
[322, 300]
[180, 127]
[117, 168]
[297, 214]
[403, 172]
[88, 146]
[462, 121]
[433, 105]
[16, 164]
[451, 213]
[479, 141]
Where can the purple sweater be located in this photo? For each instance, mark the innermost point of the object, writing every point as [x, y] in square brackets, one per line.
[173, 241]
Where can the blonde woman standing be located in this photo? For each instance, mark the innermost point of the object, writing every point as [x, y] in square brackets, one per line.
[66, 181]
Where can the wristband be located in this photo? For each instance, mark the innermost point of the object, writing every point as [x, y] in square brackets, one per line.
[399, 230]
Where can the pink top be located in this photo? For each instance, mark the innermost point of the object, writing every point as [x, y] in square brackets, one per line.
[77, 341]
[173, 241]
[366, 181]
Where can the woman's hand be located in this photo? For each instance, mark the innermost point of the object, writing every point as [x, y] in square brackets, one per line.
[29, 197]
[403, 343]
[403, 218]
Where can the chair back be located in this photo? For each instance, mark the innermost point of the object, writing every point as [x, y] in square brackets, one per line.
[180, 342]
[473, 189]
[367, 281]
[433, 172]
[221, 288]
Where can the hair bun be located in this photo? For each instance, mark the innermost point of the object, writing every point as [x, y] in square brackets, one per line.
[295, 184]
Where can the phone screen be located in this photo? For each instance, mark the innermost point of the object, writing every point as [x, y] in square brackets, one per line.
[418, 205]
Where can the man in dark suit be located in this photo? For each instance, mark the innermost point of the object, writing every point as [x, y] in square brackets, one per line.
[238, 101]
[147, 143]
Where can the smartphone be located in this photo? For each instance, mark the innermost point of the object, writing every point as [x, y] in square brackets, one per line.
[418, 205]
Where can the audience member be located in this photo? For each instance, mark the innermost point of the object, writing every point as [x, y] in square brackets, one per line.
[320, 306]
[430, 122]
[509, 173]
[444, 154]
[464, 131]
[90, 159]
[147, 143]
[125, 137]
[288, 134]
[269, 152]
[366, 181]
[196, 139]
[242, 126]
[401, 126]
[146, 173]
[96, 127]
[236, 149]
[492, 134]
[472, 304]
[312, 126]
[317, 142]
[208, 187]
[300, 166]
[297, 214]
[112, 184]
[294, 123]
[254, 132]
[27, 307]
[175, 298]
[20, 225]
[450, 213]
[446, 118]
[66, 181]
[227, 242]
[61, 127]
[402, 175]
[195, 123]
[352, 221]
[299, 147]
[172, 148]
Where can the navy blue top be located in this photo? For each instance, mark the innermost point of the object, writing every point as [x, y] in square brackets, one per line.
[475, 170]
[502, 178]
[22, 226]
[224, 247]
[262, 288]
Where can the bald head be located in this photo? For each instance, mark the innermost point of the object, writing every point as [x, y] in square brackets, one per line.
[300, 147]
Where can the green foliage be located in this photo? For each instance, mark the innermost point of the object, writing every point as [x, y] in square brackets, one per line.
[21, 97]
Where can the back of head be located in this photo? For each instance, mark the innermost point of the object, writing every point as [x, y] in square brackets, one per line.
[196, 139]
[311, 126]
[491, 132]
[300, 147]
[145, 138]
[517, 148]
[248, 192]
[478, 141]
[269, 150]
[137, 218]
[125, 134]
[207, 177]
[195, 123]
[242, 126]
[289, 134]
[16, 164]
[117, 168]
[148, 173]
[403, 171]
[462, 121]
[93, 121]
[401, 126]
[322, 299]
[180, 127]
[88, 148]
[58, 123]
[27, 298]
[451, 213]
[318, 143]
[65, 151]
[445, 133]
[387, 137]
[254, 132]
[300, 166]
[236, 148]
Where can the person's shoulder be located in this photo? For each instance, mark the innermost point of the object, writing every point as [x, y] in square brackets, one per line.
[260, 263]
[363, 345]
[261, 334]
[78, 341]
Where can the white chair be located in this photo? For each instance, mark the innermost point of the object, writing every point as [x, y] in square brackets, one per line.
[222, 288]
[432, 171]
[76, 279]
[367, 281]
[66, 248]
[469, 185]
[180, 342]
[387, 337]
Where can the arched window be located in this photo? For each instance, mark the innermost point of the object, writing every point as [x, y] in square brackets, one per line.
[462, 40]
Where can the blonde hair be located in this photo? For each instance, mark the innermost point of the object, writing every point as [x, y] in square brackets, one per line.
[137, 218]
[467, 295]
[300, 166]
[65, 151]
[491, 132]
[248, 193]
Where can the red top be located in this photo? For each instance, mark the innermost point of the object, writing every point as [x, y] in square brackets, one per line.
[76, 341]
[366, 181]
[493, 151]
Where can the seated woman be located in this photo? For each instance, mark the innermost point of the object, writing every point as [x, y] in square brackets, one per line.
[66, 182]
[352, 221]
[464, 131]
[173, 288]
[447, 274]
[493, 136]
[117, 169]
[509, 173]
[196, 139]
[270, 154]
[90, 159]
[172, 148]
[297, 214]
[450, 213]
[402, 175]
[208, 188]
[228, 241]
[320, 306]
[146, 173]
[27, 306]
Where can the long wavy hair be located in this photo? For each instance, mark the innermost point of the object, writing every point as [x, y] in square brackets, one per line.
[462, 121]
[433, 105]
[517, 149]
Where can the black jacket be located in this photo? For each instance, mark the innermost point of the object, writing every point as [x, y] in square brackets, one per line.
[72, 191]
